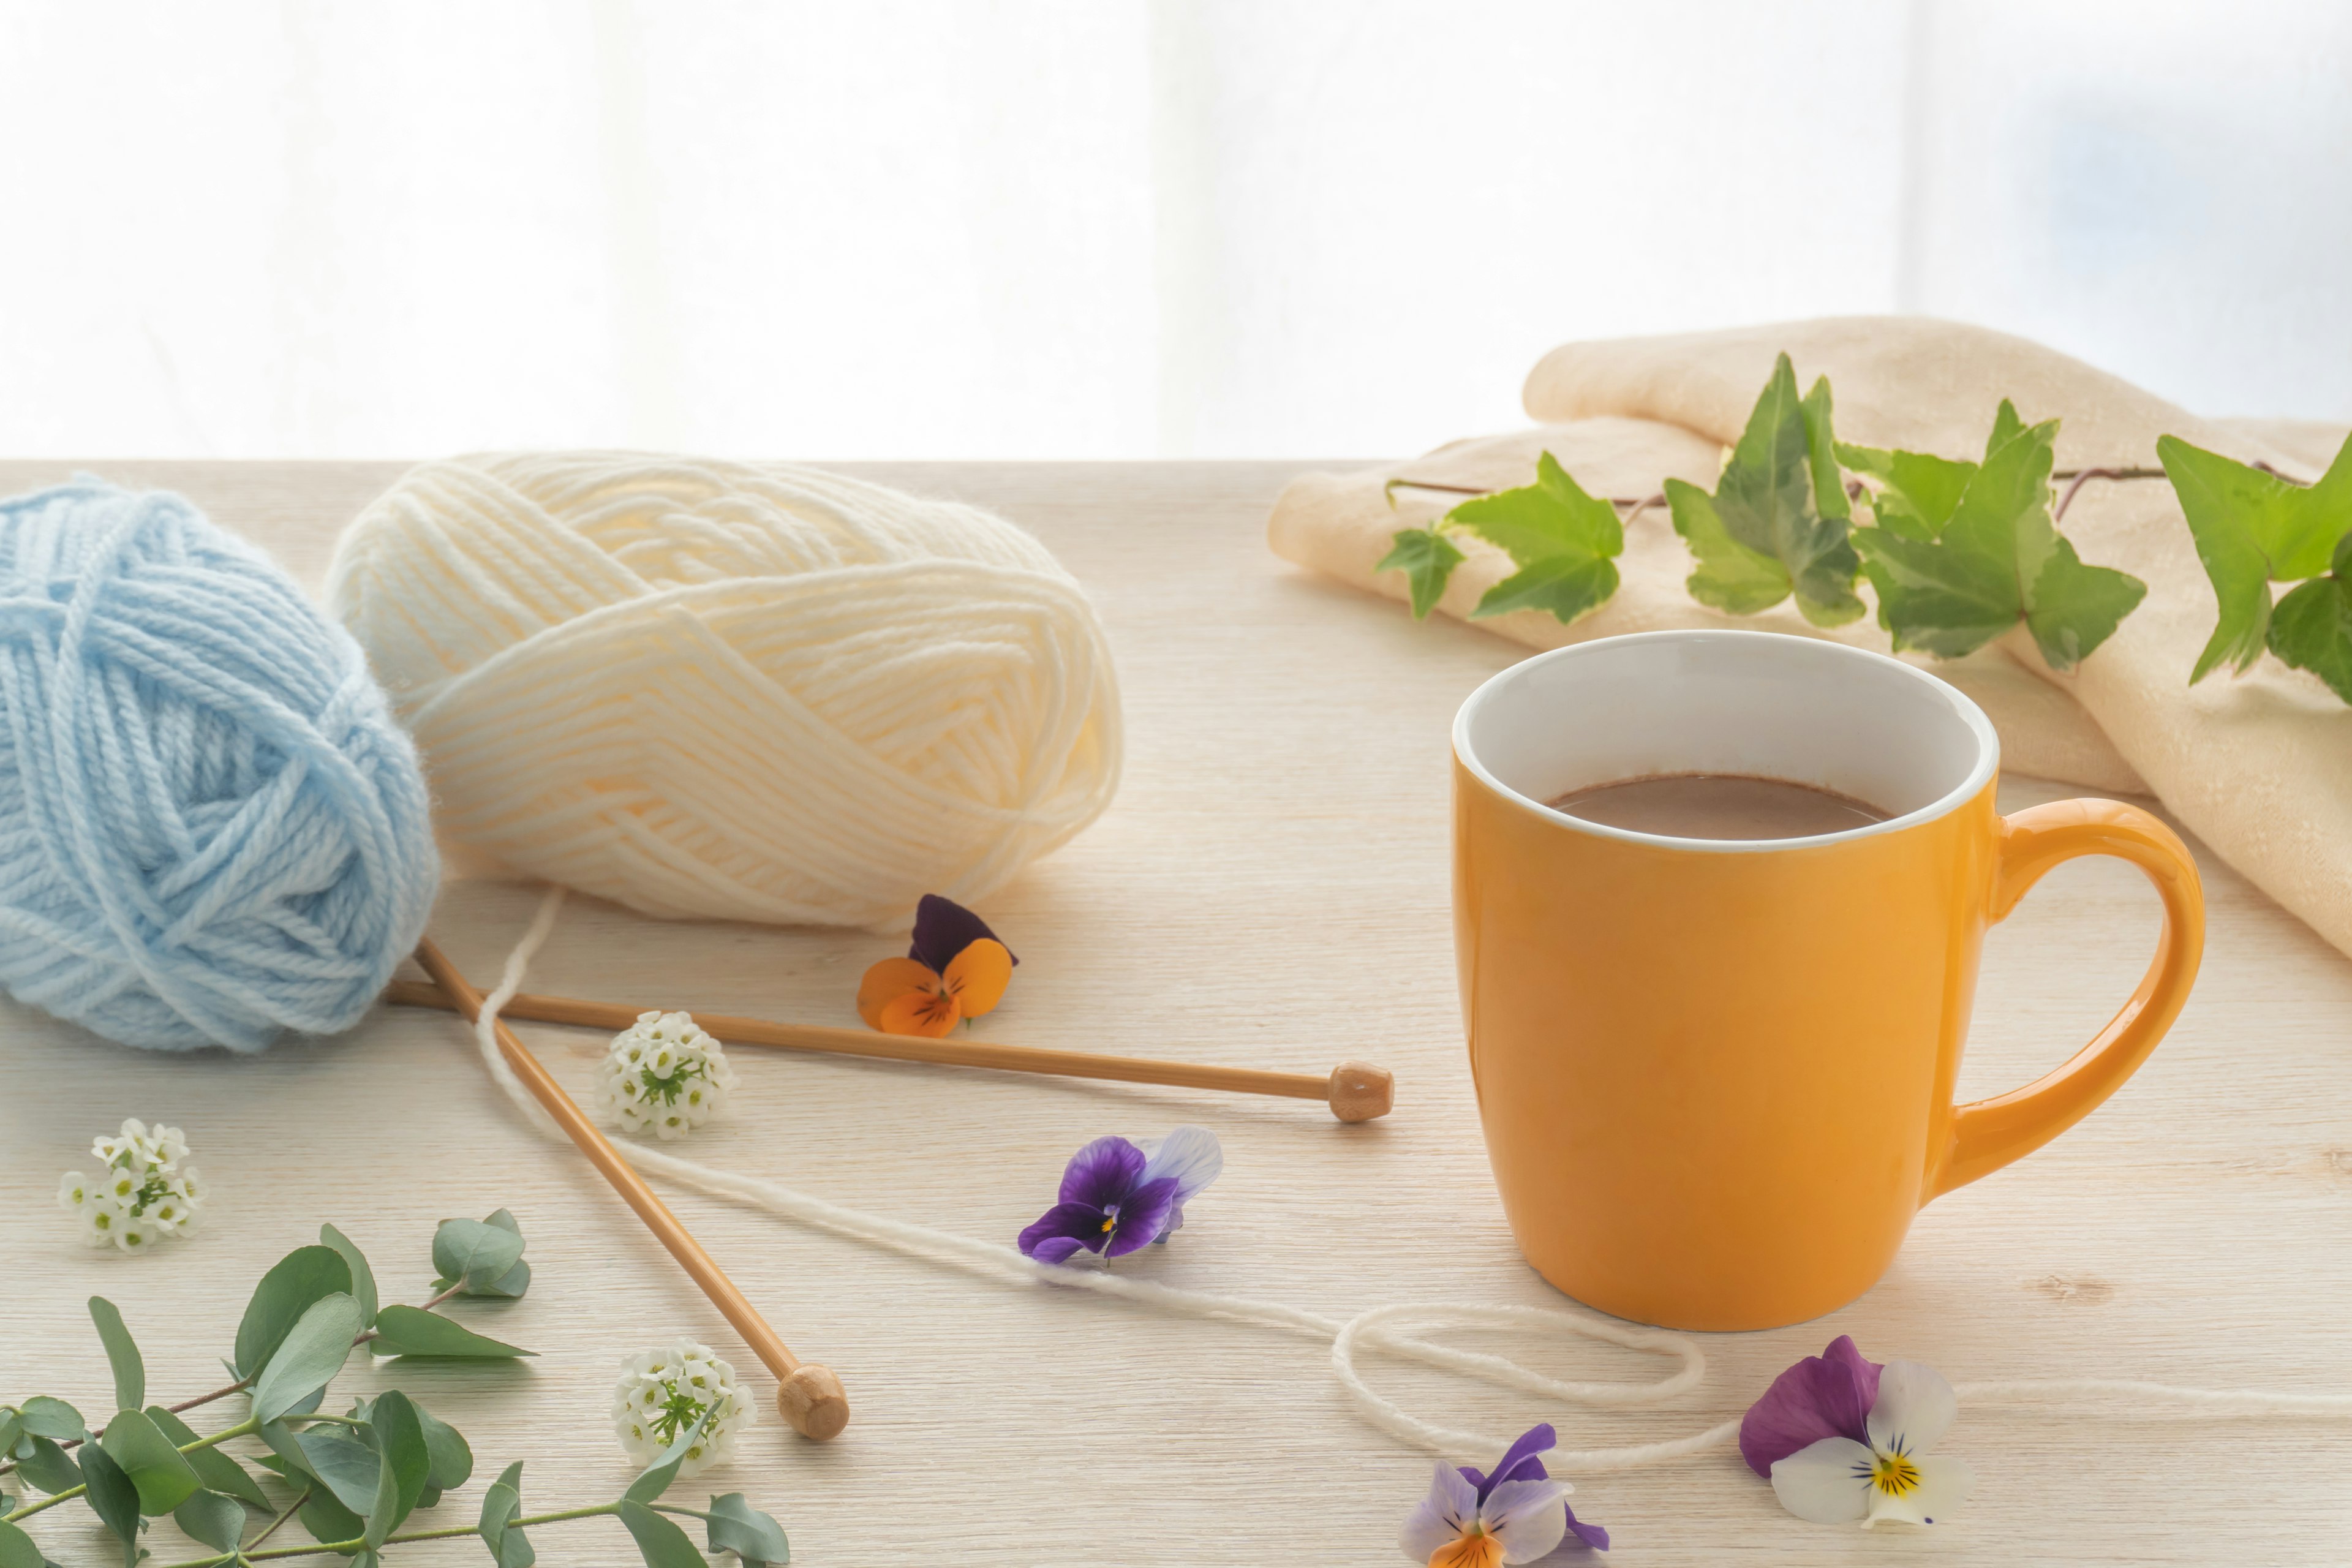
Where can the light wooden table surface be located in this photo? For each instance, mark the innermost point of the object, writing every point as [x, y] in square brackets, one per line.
[1270, 888]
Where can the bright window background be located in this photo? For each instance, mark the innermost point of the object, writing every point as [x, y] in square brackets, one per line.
[1114, 228]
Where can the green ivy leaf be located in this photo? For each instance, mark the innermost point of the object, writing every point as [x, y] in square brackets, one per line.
[294, 1283]
[1776, 523]
[2312, 628]
[160, 1473]
[501, 1505]
[412, 1330]
[122, 1354]
[1427, 558]
[1997, 559]
[219, 1472]
[736, 1526]
[2252, 529]
[49, 1467]
[114, 1500]
[17, 1549]
[1563, 541]
[661, 1543]
[1917, 493]
[311, 1355]
[218, 1522]
[475, 1253]
[362, 1276]
[655, 1478]
[47, 1417]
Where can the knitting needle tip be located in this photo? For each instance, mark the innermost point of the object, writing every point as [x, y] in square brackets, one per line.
[1360, 1092]
[812, 1401]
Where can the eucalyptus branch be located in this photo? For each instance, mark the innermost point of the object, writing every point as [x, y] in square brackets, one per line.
[359, 1543]
[244, 1428]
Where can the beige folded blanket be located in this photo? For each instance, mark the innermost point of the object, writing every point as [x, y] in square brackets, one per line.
[2259, 766]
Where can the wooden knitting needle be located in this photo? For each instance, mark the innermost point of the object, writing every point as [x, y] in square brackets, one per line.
[1355, 1091]
[810, 1396]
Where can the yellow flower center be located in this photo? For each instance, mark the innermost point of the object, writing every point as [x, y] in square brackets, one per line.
[1894, 1475]
[1475, 1548]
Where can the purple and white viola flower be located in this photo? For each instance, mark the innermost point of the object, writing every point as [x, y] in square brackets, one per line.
[1118, 1196]
[1843, 1439]
[1515, 1514]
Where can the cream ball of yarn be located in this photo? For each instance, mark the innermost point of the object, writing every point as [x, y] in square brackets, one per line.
[705, 689]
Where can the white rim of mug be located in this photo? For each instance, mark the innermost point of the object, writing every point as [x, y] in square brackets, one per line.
[1988, 761]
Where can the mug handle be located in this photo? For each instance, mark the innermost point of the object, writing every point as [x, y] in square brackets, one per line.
[1989, 1133]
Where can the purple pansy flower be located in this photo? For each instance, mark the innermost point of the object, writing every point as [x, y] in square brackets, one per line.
[1116, 1197]
[1843, 1439]
[944, 928]
[1471, 1519]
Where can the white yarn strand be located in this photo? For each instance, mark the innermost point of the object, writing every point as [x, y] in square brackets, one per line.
[1394, 1329]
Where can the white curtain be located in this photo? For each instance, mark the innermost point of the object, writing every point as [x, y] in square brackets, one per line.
[1110, 229]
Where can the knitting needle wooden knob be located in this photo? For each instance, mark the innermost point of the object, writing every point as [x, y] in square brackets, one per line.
[1360, 1092]
[808, 1397]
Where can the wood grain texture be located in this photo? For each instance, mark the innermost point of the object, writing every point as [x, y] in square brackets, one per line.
[1270, 890]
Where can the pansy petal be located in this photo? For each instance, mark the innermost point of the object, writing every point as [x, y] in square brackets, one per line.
[1526, 1519]
[978, 975]
[1142, 1218]
[1518, 1462]
[1190, 1154]
[1081, 1224]
[1442, 1517]
[944, 928]
[1103, 1172]
[886, 983]
[1827, 1482]
[1057, 1249]
[1913, 1409]
[925, 1012]
[1944, 1484]
[1825, 1395]
[1592, 1535]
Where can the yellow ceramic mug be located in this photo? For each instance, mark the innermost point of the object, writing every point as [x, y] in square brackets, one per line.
[1717, 1076]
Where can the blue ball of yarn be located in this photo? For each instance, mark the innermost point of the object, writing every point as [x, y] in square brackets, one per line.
[211, 830]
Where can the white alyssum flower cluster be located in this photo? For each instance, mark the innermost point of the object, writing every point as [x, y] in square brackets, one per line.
[662, 1393]
[145, 1189]
[664, 1072]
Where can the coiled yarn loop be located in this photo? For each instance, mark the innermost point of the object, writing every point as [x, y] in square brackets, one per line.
[211, 830]
[701, 688]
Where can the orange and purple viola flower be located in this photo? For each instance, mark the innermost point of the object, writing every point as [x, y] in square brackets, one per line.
[1844, 1440]
[1118, 1196]
[954, 971]
[1515, 1514]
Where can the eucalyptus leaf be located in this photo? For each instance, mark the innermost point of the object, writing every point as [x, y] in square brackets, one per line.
[294, 1284]
[218, 1522]
[655, 1478]
[501, 1505]
[114, 1500]
[11, 1430]
[660, 1542]
[17, 1549]
[122, 1354]
[53, 1418]
[218, 1471]
[412, 1330]
[160, 1473]
[736, 1526]
[346, 1466]
[362, 1276]
[1427, 558]
[328, 1520]
[310, 1355]
[407, 1462]
[472, 1253]
[453, 1457]
[49, 1467]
